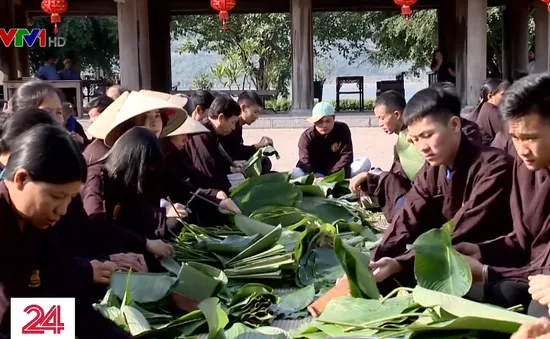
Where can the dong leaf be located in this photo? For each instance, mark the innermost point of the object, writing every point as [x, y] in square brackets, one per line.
[240, 331]
[252, 227]
[200, 281]
[245, 187]
[143, 287]
[439, 267]
[268, 194]
[261, 245]
[295, 301]
[356, 265]
[230, 245]
[137, 323]
[215, 317]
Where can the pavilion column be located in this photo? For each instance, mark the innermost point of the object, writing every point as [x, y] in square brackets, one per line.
[301, 20]
[133, 41]
[8, 56]
[471, 47]
[542, 38]
[161, 68]
[515, 39]
[446, 30]
[23, 59]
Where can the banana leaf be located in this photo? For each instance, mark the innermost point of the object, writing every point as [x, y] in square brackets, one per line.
[245, 187]
[215, 317]
[199, 281]
[291, 305]
[330, 211]
[356, 265]
[240, 331]
[251, 305]
[438, 266]
[260, 268]
[231, 245]
[315, 257]
[289, 217]
[143, 287]
[274, 251]
[304, 180]
[261, 245]
[251, 227]
[268, 194]
[185, 325]
[253, 167]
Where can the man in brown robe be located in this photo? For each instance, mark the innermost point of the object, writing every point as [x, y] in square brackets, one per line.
[463, 181]
[205, 153]
[509, 261]
[390, 187]
[201, 102]
[326, 147]
[251, 105]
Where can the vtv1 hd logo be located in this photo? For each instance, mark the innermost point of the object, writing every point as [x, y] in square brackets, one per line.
[42, 318]
[19, 37]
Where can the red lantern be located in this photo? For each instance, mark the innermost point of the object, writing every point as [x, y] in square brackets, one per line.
[406, 10]
[547, 2]
[55, 8]
[223, 6]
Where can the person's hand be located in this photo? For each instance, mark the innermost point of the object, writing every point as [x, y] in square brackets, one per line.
[127, 261]
[160, 248]
[356, 182]
[177, 211]
[384, 268]
[236, 169]
[79, 139]
[221, 195]
[102, 271]
[228, 206]
[539, 329]
[265, 141]
[476, 267]
[539, 288]
[469, 249]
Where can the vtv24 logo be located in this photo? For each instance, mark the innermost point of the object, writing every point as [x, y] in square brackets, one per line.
[43, 318]
[19, 37]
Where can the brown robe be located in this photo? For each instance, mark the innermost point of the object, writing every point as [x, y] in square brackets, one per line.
[233, 143]
[202, 153]
[388, 187]
[181, 181]
[35, 265]
[326, 154]
[475, 196]
[133, 218]
[489, 122]
[95, 151]
[526, 250]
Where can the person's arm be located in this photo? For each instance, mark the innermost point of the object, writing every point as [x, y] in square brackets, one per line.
[346, 153]
[204, 154]
[411, 221]
[303, 153]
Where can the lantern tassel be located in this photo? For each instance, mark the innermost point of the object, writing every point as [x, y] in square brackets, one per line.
[55, 29]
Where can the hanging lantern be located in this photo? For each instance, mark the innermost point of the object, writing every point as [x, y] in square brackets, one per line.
[223, 6]
[55, 8]
[547, 2]
[406, 10]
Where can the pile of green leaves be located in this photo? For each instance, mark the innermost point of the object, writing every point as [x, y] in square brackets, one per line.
[253, 166]
[251, 305]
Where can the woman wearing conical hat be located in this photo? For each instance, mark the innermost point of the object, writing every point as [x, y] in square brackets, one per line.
[130, 110]
[181, 180]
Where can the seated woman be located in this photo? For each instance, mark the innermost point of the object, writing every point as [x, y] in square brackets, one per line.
[130, 110]
[43, 174]
[326, 147]
[124, 188]
[486, 114]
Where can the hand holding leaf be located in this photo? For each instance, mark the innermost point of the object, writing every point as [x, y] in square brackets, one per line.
[160, 248]
[539, 329]
[102, 271]
[384, 268]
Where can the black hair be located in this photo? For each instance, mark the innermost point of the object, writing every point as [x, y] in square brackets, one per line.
[528, 95]
[226, 105]
[20, 122]
[489, 87]
[250, 96]
[503, 87]
[204, 99]
[135, 160]
[100, 103]
[32, 93]
[49, 154]
[440, 102]
[392, 99]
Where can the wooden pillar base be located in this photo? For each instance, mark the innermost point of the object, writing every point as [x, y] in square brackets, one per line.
[133, 37]
[301, 19]
[471, 39]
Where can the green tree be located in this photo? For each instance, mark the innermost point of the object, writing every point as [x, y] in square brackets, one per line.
[90, 42]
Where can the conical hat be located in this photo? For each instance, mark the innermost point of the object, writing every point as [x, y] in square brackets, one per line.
[190, 126]
[137, 104]
[101, 126]
[173, 99]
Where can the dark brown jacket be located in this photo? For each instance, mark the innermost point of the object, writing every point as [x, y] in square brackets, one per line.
[326, 154]
[475, 196]
[95, 151]
[489, 122]
[202, 152]
[233, 143]
[526, 250]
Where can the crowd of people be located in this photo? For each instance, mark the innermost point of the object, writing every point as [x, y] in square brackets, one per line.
[76, 206]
